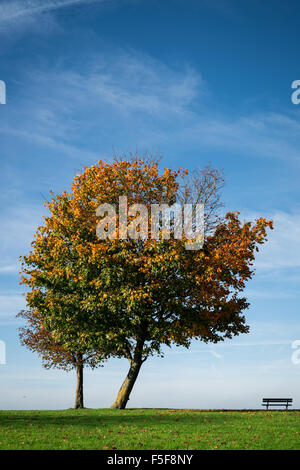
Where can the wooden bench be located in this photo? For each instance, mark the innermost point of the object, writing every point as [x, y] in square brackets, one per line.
[277, 402]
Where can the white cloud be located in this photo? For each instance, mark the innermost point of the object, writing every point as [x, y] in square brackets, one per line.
[127, 81]
[124, 92]
[282, 248]
[21, 16]
[264, 293]
[10, 268]
[139, 83]
[52, 142]
[17, 229]
[142, 99]
[10, 305]
[215, 354]
[18, 10]
[263, 135]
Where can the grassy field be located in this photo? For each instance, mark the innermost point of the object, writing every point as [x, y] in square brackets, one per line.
[154, 429]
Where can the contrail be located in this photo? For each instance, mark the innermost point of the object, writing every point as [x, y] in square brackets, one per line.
[10, 10]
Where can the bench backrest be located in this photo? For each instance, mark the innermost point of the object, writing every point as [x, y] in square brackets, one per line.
[277, 400]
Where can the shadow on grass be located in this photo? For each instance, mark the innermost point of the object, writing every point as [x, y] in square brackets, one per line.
[102, 418]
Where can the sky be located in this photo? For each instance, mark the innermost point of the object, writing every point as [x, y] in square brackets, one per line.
[197, 81]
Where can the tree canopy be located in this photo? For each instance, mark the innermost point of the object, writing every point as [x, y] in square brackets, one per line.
[37, 338]
[129, 297]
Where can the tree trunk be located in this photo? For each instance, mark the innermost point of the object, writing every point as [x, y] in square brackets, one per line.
[125, 390]
[79, 385]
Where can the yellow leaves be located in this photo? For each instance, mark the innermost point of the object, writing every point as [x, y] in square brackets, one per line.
[157, 281]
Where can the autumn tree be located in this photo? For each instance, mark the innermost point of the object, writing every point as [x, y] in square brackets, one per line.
[37, 339]
[131, 294]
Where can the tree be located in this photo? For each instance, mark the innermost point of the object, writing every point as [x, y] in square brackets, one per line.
[188, 294]
[131, 296]
[36, 338]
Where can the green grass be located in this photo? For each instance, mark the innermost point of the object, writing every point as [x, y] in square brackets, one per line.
[154, 429]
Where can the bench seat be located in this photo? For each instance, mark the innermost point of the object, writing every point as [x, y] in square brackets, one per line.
[277, 402]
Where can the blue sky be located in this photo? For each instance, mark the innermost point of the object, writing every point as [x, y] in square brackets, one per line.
[198, 81]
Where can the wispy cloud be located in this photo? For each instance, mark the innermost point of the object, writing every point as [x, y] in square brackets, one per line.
[145, 100]
[19, 10]
[10, 268]
[10, 305]
[131, 96]
[215, 354]
[126, 92]
[127, 82]
[265, 134]
[264, 293]
[39, 16]
[282, 249]
[16, 232]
